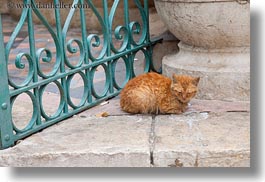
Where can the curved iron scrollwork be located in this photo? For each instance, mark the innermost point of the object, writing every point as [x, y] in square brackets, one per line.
[132, 37]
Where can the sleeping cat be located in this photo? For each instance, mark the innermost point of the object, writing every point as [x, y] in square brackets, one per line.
[154, 93]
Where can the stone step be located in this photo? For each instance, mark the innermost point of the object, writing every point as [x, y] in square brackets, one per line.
[85, 142]
[218, 138]
[202, 140]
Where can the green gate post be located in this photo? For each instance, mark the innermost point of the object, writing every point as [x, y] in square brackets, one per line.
[6, 129]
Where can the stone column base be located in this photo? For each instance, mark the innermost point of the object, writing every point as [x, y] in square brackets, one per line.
[225, 73]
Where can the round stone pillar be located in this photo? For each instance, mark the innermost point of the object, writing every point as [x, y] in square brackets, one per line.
[214, 44]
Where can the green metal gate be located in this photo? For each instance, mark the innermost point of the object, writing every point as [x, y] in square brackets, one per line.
[63, 70]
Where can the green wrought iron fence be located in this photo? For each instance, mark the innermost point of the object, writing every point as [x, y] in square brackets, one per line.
[63, 70]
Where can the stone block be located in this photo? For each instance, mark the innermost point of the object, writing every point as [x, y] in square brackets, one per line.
[203, 140]
[85, 142]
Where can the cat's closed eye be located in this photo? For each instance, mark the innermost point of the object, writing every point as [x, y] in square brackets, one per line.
[190, 94]
[179, 90]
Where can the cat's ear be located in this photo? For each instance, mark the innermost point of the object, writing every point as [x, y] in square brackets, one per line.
[175, 78]
[196, 81]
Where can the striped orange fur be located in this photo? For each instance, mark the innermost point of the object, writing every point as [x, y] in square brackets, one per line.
[155, 93]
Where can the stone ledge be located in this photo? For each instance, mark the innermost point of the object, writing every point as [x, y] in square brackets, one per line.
[210, 134]
[85, 142]
[203, 140]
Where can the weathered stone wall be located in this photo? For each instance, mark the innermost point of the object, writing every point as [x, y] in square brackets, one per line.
[92, 21]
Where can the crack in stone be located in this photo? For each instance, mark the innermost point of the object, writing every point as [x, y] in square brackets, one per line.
[152, 138]
[244, 111]
[196, 164]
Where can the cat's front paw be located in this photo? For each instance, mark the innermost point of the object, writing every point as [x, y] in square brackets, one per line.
[175, 111]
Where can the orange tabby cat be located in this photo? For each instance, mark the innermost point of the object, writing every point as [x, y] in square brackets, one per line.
[155, 93]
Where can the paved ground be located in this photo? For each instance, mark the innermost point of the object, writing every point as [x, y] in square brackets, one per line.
[209, 134]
